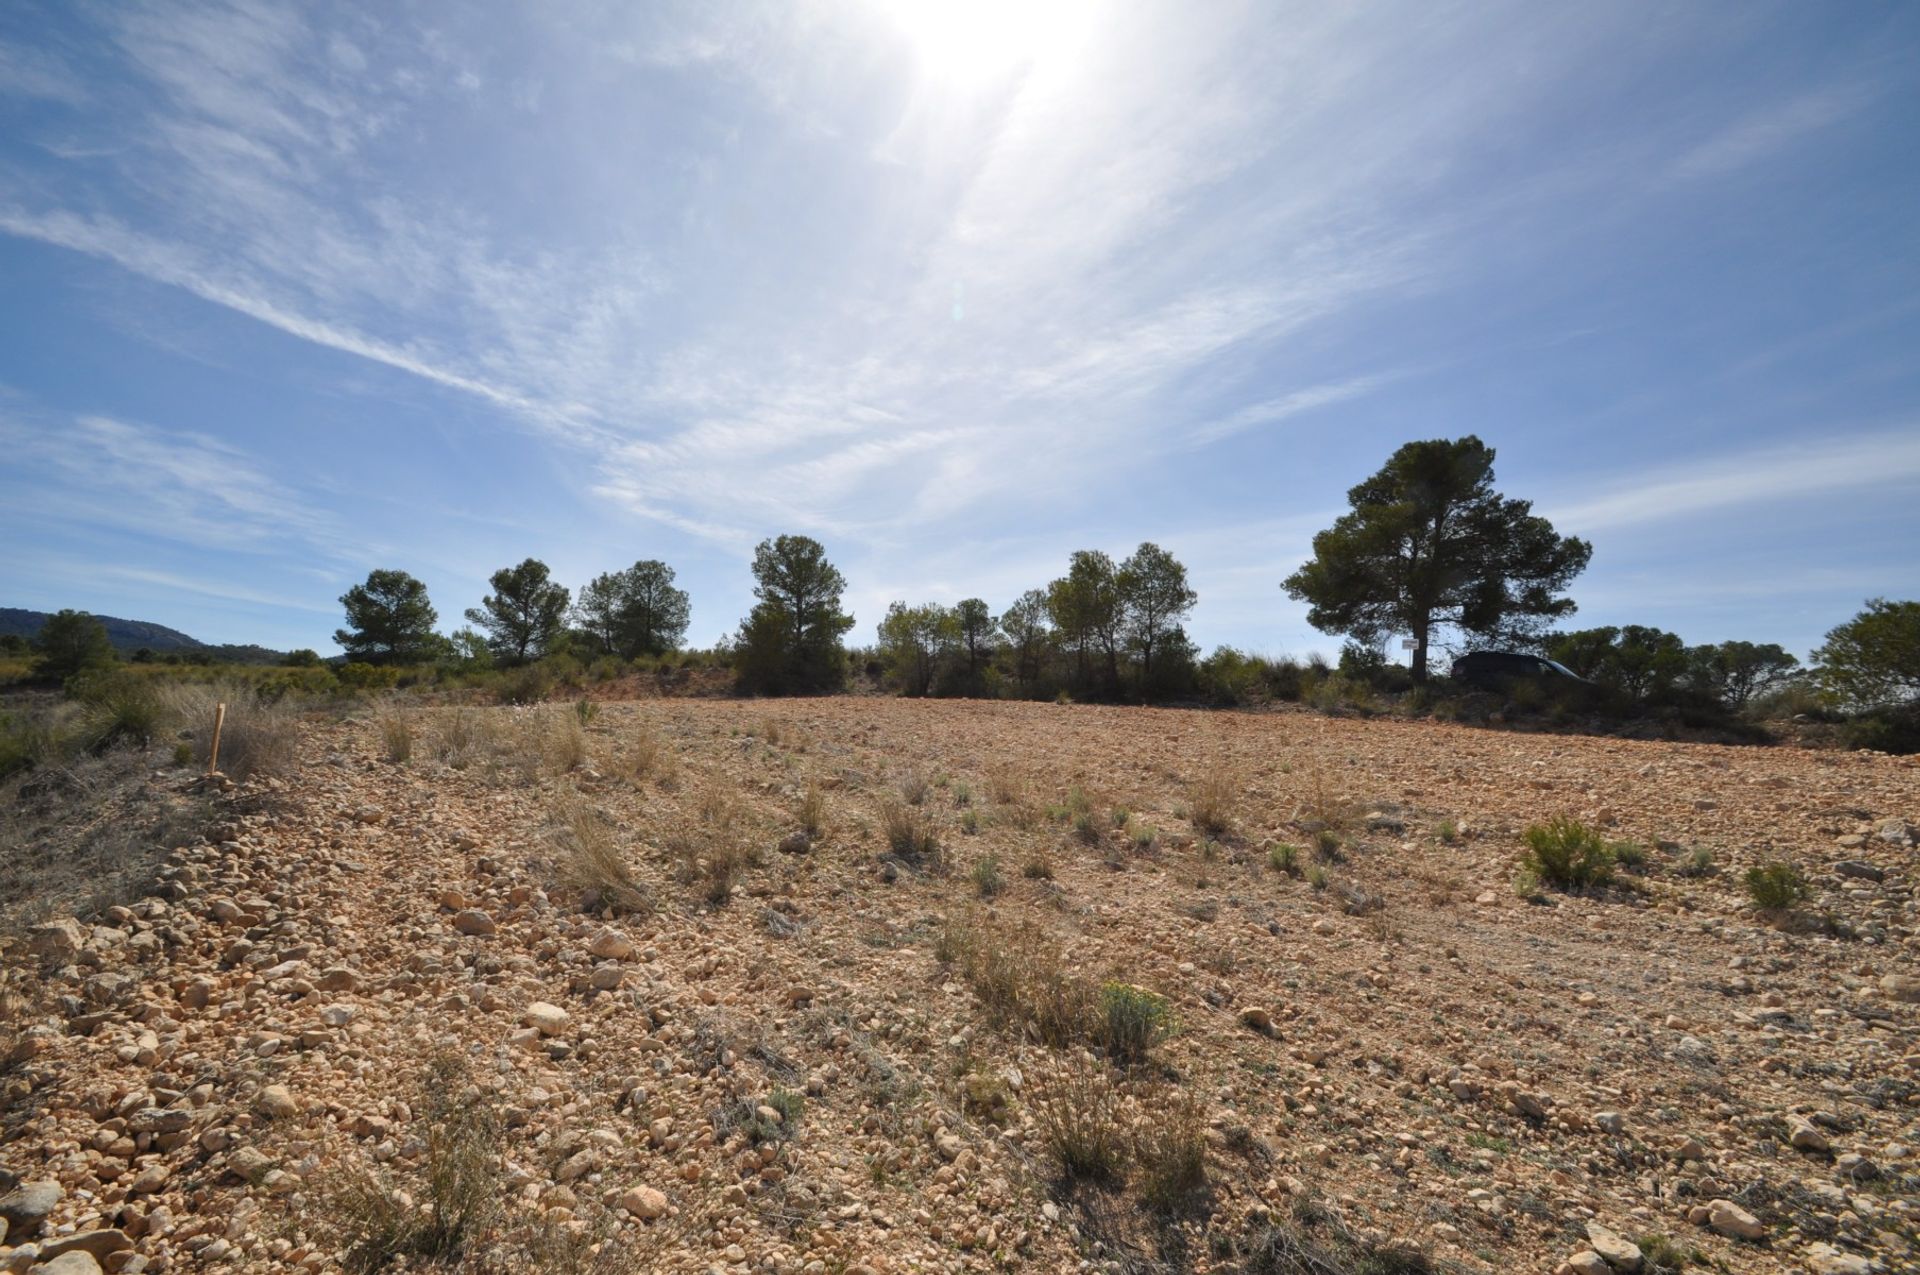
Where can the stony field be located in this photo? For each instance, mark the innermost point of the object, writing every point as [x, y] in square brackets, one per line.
[867, 985]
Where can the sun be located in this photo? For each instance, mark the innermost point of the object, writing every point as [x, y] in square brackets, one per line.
[967, 42]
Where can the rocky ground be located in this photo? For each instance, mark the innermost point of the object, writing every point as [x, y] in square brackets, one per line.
[594, 992]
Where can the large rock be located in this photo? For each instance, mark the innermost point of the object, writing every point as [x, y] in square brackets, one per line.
[57, 942]
[1902, 987]
[1619, 1252]
[548, 1020]
[67, 1264]
[610, 945]
[475, 922]
[1825, 1259]
[1731, 1220]
[645, 1203]
[27, 1205]
[1804, 1136]
[275, 1102]
[1860, 870]
[1585, 1262]
[98, 1245]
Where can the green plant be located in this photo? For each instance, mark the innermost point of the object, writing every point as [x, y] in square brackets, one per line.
[1144, 835]
[791, 1107]
[963, 794]
[1567, 853]
[1285, 857]
[1666, 1257]
[1326, 844]
[1132, 1021]
[1317, 877]
[987, 878]
[1086, 828]
[1447, 832]
[1630, 855]
[1698, 862]
[1037, 867]
[586, 710]
[1775, 887]
[970, 822]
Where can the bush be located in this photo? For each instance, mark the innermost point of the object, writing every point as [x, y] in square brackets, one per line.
[988, 880]
[257, 738]
[1210, 802]
[910, 836]
[1079, 1115]
[1775, 887]
[1171, 1150]
[1132, 1021]
[591, 864]
[1285, 858]
[528, 684]
[1566, 853]
[375, 1222]
[120, 707]
[356, 675]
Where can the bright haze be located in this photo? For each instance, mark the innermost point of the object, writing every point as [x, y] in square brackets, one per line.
[295, 292]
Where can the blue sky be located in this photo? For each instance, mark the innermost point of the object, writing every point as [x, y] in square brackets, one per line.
[291, 292]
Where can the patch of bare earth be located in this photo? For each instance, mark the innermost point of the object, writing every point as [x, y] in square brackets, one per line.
[1043, 988]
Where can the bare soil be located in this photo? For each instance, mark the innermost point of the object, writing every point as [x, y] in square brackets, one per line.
[1392, 1048]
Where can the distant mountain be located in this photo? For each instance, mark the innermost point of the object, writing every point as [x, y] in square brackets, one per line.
[129, 636]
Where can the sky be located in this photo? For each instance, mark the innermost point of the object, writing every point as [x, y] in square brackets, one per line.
[292, 292]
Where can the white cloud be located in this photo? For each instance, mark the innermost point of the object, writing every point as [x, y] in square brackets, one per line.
[1822, 466]
[164, 485]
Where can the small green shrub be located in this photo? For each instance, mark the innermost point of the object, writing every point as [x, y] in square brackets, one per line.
[1698, 862]
[1317, 877]
[1566, 853]
[1776, 887]
[1447, 832]
[1285, 857]
[1132, 1021]
[1630, 855]
[988, 880]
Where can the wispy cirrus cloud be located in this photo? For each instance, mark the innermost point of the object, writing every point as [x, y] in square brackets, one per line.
[171, 486]
[1824, 465]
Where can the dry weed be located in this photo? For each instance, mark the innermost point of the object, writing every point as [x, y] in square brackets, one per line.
[1211, 800]
[257, 738]
[375, 1222]
[1082, 1123]
[590, 862]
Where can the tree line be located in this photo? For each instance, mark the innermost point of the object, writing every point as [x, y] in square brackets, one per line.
[1428, 549]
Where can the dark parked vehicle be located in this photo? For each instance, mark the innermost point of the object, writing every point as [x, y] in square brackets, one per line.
[1495, 669]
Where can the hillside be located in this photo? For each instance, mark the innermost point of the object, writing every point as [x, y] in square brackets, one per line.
[129, 636]
[683, 1033]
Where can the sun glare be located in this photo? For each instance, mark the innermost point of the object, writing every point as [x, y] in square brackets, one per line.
[964, 42]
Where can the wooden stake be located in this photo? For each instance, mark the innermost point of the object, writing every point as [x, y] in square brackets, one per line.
[213, 751]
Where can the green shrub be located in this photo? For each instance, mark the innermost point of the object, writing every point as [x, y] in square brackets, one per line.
[1775, 887]
[355, 675]
[987, 877]
[1698, 862]
[1285, 857]
[1566, 853]
[1132, 1021]
[120, 708]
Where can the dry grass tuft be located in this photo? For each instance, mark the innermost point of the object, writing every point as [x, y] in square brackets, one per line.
[591, 863]
[1082, 1123]
[1210, 802]
[396, 736]
[258, 738]
[910, 836]
[812, 814]
[375, 1222]
[714, 847]
[1171, 1149]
